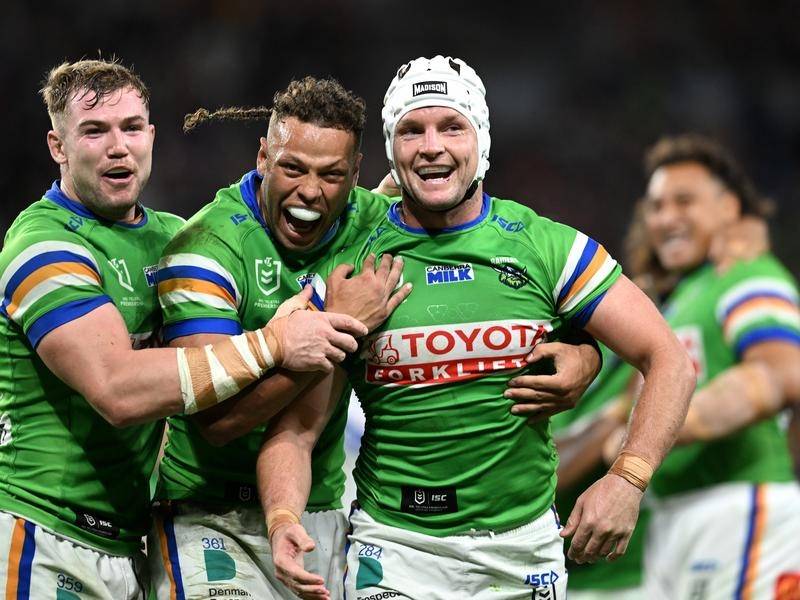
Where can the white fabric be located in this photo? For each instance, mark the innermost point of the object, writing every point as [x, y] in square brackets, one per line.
[522, 564]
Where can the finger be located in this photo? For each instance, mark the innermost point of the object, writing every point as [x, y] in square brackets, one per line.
[342, 342]
[582, 536]
[369, 264]
[382, 272]
[346, 323]
[620, 548]
[306, 292]
[300, 539]
[548, 383]
[573, 520]
[341, 272]
[532, 409]
[591, 552]
[543, 350]
[398, 297]
[608, 546]
[396, 272]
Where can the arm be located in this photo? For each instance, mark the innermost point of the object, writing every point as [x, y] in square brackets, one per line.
[284, 481]
[539, 397]
[92, 354]
[253, 406]
[766, 381]
[628, 323]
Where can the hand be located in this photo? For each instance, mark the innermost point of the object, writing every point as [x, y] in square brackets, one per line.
[603, 519]
[744, 240]
[314, 341]
[388, 187]
[296, 302]
[370, 296]
[289, 543]
[542, 396]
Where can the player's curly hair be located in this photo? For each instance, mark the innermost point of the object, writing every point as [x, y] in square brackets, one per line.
[322, 102]
[642, 261]
[94, 78]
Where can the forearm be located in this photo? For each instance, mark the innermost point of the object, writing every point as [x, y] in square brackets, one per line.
[284, 473]
[252, 407]
[661, 408]
[736, 398]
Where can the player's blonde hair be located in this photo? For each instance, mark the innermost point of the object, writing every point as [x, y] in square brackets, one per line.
[94, 78]
[322, 102]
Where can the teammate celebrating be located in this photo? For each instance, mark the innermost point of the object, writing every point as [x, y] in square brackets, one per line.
[78, 405]
[455, 492]
[727, 515]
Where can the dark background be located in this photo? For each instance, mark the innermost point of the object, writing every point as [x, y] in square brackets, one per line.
[576, 90]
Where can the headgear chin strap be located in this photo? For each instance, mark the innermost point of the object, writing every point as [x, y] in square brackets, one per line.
[438, 81]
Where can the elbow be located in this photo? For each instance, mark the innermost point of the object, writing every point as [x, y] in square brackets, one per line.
[115, 410]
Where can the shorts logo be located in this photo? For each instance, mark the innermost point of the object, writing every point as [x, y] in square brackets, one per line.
[428, 501]
[150, 275]
[97, 525]
[121, 269]
[5, 430]
[430, 87]
[438, 274]
[268, 275]
[447, 353]
[419, 496]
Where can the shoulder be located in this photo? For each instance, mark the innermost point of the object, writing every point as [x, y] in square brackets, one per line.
[166, 222]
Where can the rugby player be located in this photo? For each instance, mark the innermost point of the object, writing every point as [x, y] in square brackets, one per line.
[263, 237]
[726, 517]
[80, 397]
[455, 492]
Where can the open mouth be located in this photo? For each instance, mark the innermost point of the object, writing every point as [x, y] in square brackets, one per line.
[301, 220]
[118, 175]
[435, 174]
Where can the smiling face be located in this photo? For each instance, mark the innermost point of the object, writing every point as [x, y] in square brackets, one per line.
[308, 173]
[684, 208]
[435, 156]
[105, 151]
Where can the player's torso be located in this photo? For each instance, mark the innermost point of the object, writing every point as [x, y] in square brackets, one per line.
[265, 276]
[440, 441]
[759, 452]
[60, 459]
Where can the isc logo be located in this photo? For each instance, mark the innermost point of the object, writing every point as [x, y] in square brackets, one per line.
[438, 274]
[538, 579]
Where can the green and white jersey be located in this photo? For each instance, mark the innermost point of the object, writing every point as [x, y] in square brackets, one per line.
[223, 274]
[61, 464]
[626, 571]
[718, 317]
[441, 453]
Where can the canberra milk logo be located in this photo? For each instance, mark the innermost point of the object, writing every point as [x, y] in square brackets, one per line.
[436, 274]
[268, 275]
[121, 269]
[430, 87]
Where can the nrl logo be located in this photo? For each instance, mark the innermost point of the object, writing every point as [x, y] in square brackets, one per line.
[121, 269]
[268, 275]
[513, 277]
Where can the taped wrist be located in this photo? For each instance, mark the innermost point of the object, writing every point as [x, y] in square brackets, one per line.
[280, 516]
[215, 372]
[633, 468]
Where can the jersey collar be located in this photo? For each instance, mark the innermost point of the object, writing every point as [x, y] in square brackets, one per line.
[54, 194]
[248, 187]
[395, 218]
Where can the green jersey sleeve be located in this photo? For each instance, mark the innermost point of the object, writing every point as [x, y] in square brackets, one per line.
[197, 284]
[760, 305]
[580, 271]
[48, 277]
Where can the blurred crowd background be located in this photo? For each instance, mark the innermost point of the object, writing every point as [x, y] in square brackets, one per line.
[576, 90]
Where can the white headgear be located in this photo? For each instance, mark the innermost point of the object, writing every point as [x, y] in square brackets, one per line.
[437, 81]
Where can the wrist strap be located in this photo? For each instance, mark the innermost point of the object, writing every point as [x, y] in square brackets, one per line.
[633, 468]
[280, 516]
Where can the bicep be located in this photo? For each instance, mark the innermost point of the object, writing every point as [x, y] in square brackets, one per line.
[82, 351]
[783, 361]
[628, 323]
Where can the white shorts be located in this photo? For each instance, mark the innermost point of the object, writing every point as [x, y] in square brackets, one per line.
[521, 564]
[734, 540]
[35, 564]
[199, 551]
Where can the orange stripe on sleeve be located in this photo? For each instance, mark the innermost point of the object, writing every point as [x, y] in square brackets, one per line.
[597, 261]
[46, 272]
[196, 285]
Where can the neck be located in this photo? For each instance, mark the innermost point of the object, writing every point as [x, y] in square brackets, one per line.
[129, 215]
[416, 215]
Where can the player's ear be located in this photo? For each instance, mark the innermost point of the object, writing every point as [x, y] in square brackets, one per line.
[56, 146]
[261, 157]
[357, 168]
[730, 208]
